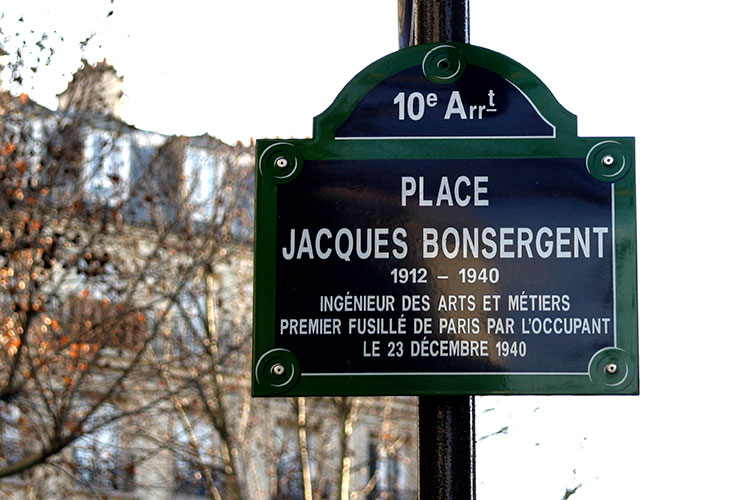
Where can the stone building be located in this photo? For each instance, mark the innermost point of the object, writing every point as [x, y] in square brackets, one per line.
[174, 450]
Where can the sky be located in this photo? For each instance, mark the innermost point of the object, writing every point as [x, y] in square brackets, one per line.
[672, 74]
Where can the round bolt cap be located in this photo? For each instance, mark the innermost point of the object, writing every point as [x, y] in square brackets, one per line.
[282, 162]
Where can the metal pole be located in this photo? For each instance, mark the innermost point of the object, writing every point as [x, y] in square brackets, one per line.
[446, 448]
[446, 423]
[428, 21]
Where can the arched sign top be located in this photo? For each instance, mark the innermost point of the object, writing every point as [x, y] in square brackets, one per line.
[445, 91]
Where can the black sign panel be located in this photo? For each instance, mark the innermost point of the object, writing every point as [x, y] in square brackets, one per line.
[488, 255]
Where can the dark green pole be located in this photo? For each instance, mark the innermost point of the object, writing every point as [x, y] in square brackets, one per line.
[446, 423]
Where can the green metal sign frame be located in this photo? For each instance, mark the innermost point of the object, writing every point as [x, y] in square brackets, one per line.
[279, 162]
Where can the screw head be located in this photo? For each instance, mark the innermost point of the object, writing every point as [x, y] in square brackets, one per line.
[608, 160]
[611, 368]
[278, 369]
[281, 162]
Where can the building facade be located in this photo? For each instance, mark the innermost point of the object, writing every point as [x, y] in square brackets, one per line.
[179, 211]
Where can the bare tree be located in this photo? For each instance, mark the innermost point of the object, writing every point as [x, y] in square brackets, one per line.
[208, 337]
[126, 306]
[569, 492]
[93, 267]
[331, 466]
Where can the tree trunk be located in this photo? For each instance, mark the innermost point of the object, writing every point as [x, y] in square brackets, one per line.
[347, 414]
[219, 415]
[303, 450]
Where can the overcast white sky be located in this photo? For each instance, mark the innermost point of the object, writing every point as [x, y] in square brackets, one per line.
[673, 74]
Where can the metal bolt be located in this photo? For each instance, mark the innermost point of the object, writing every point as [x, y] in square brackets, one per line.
[278, 369]
[611, 368]
[444, 63]
[281, 162]
[608, 160]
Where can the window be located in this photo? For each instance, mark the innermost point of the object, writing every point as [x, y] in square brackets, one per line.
[107, 167]
[388, 467]
[11, 442]
[155, 185]
[141, 196]
[191, 464]
[289, 485]
[244, 217]
[200, 181]
[101, 461]
[188, 323]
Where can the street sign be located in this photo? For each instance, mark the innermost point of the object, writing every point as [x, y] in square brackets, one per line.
[445, 231]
